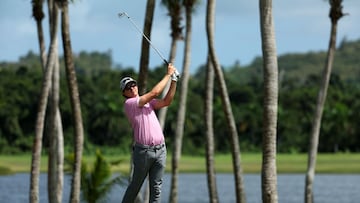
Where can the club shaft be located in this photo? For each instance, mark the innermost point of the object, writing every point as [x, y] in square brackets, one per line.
[147, 39]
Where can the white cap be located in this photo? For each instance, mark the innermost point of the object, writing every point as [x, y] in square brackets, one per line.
[125, 81]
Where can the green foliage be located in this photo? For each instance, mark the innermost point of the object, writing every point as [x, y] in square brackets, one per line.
[96, 181]
[93, 63]
[106, 127]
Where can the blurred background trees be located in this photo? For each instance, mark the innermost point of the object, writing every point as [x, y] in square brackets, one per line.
[106, 127]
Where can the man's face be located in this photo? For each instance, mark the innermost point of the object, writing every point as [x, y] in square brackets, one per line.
[131, 90]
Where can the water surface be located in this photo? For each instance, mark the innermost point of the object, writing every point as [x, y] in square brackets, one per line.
[328, 188]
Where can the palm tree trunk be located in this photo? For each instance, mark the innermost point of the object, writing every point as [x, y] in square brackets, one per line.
[55, 184]
[143, 72]
[54, 193]
[75, 103]
[174, 11]
[38, 14]
[210, 165]
[145, 47]
[235, 149]
[335, 15]
[162, 112]
[55, 132]
[177, 146]
[60, 157]
[269, 177]
[39, 128]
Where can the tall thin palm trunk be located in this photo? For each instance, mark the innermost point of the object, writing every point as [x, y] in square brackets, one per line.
[270, 67]
[335, 15]
[75, 102]
[209, 131]
[235, 148]
[174, 11]
[163, 111]
[179, 132]
[55, 131]
[38, 14]
[145, 47]
[54, 181]
[59, 151]
[143, 75]
[43, 100]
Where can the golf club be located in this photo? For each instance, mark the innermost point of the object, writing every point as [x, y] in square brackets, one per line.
[147, 39]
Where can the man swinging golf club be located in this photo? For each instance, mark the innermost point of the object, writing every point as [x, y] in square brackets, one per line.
[149, 151]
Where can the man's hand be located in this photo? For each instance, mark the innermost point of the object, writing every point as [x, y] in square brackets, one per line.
[171, 69]
[175, 76]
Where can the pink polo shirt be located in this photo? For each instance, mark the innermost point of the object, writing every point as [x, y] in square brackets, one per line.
[144, 122]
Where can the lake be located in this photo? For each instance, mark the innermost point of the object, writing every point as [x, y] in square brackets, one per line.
[328, 188]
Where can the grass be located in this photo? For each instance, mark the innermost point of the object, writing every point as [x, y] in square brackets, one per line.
[342, 163]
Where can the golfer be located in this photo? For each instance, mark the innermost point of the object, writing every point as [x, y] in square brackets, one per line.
[149, 150]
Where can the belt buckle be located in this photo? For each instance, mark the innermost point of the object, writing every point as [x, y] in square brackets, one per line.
[157, 147]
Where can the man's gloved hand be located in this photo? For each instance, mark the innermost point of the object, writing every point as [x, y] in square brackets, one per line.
[175, 76]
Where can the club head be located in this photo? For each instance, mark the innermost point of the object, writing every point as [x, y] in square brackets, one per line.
[122, 14]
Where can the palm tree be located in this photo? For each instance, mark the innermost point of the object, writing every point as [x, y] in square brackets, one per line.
[209, 131]
[97, 182]
[270, 69]
[56, 153]
[335, 14]
[145, 47]
[38, 14]
[235, 149]
[54, 129]
[189, 5]
[75, 101]
[55, 132]
[143, 71]
[174, 8]
[39, 126]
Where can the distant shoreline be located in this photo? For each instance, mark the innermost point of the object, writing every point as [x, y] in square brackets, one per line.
[341, 163]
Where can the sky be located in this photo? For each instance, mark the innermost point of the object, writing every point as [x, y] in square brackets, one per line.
[300, 27]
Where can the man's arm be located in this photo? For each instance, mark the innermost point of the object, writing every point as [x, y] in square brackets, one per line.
[166, 101]
[158, 88]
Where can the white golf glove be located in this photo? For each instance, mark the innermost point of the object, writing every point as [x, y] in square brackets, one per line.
[175, 76]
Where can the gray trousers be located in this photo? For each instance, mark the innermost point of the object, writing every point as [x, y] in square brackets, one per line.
[147, 160]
